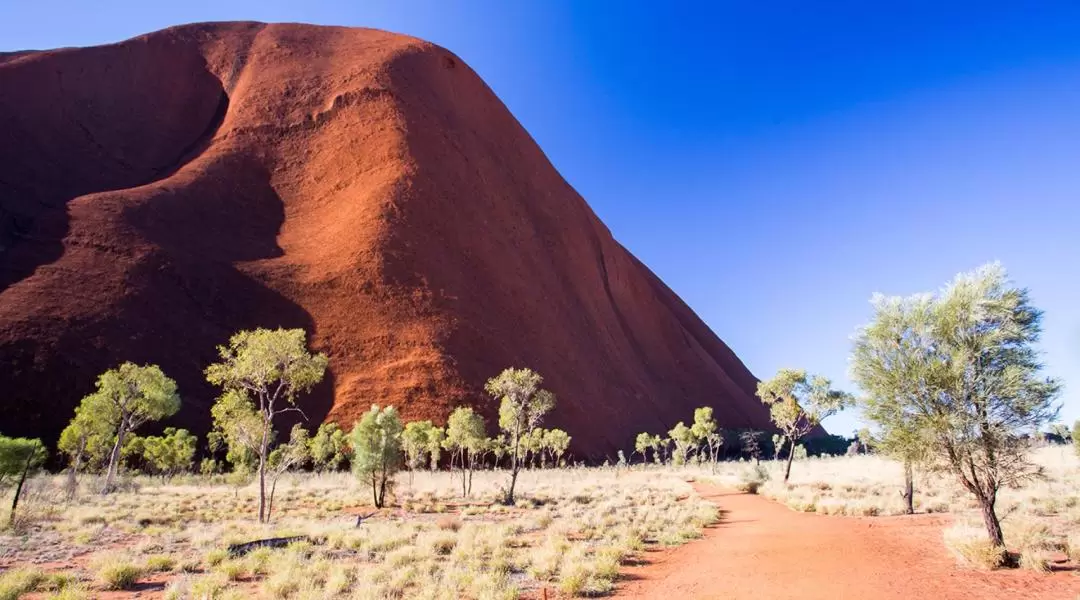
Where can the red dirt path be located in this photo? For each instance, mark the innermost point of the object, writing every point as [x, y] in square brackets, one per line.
[761, 550]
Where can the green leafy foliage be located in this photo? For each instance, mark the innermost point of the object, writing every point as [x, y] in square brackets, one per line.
[170, 453]
[683, 437]
[19, 458]
[416, 442]
[466, 439]
[522, 406]
[797, 404]
[18, 455]
[376, 445]
[126, 398]
[952, 381]
[261, 373]
[329, 448]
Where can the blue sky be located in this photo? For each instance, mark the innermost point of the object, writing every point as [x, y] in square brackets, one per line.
[775, 163]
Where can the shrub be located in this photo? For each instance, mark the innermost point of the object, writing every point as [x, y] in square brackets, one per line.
[119, 575]
[974, 548]
[160, 563]
[16, 582]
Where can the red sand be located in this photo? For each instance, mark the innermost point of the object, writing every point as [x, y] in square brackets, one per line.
[159, 194]
[761, 549]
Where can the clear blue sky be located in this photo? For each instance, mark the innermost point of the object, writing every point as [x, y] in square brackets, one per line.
[774, 162]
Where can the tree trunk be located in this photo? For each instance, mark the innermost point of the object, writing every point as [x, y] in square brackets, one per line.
[472, 467]
[262, 469]
[18, 488]
[72, 482]
[990, 518]
[514, 466]
[382, 487]
[464, 472]
[270, 504]
[114, 458]
[909, 489]
[790, 457]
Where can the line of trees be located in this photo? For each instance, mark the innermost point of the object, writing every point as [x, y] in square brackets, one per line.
[262, 374]
[700, 442]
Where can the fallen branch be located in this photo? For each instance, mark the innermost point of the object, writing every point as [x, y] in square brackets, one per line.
[237, 550]
[360, 518]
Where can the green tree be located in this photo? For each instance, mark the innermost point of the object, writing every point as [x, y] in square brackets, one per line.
[522, 406]
[684, 442]
[556, 443]
[416, 442]
[435, 444]
[642, 443]
[960, 370]
[797, 404]
[465, 439]
[85, 441]
[238, 427]
[376, 446]
[288, 456]
[498, 448]
[663, 446]
[170, 453]
[329, 448]
[705, 431]
[534, 446]
[127, 398]
[266, 370]
[1076, 436]
[19, 457]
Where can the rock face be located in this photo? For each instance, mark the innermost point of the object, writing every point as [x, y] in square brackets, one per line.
[159, 194]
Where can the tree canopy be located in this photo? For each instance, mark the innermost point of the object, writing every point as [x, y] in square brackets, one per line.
[261, 373]
[376, 444]
[957, 373]
[798, 402]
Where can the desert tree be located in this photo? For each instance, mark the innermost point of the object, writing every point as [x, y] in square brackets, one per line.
[435, 444]
[706, 432]
[237, 426]
[85, 441]
[266, 370]
[1076, 436]
[683, 437]
[750, 440]
[534, 447]
[293, 454]
[497, 447]
[416, 442]
[329, 448]
[656, 443]
[522, 406]
[556, 443]
[169, 453]
[642, 443]
[127, 398]
[19, 458]
[465, 438]
[376, 446]
[797, 404]
[960, 368]
[663, 449]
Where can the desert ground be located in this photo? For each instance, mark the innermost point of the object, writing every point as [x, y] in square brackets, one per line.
[641, 531]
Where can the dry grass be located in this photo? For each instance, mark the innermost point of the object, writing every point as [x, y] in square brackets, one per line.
[571, 531]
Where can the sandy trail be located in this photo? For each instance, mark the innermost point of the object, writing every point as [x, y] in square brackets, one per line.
[762, 549]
